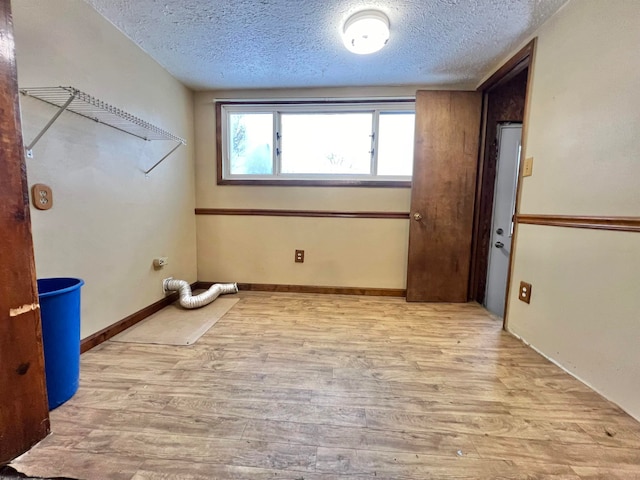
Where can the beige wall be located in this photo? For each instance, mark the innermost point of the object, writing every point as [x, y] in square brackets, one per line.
[339, 252]
[108, 221]
[583, 133]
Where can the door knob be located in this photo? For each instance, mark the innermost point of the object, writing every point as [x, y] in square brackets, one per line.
[499, 245]
[417, 217]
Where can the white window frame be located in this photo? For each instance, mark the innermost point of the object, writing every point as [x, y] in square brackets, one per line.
[359, 106]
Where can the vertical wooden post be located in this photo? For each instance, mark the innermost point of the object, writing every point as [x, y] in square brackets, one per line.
[24, 414]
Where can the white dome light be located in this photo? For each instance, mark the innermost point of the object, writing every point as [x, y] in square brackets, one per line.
[366, 32]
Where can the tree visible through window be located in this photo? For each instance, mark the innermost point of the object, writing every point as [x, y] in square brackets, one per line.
[251, 138]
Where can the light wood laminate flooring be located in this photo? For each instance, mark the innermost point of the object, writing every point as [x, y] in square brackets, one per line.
[293, 386]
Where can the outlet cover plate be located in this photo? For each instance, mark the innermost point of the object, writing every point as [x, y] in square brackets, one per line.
[524, 294]
[42, 196]
[299, 258]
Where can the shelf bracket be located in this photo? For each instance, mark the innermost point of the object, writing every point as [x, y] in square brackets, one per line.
[29, 148]
[92, 108]
[163, 158]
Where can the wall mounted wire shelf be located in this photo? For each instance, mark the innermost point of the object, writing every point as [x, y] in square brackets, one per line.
[73, 100]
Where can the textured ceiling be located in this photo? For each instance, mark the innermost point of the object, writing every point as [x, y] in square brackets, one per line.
[224, 44]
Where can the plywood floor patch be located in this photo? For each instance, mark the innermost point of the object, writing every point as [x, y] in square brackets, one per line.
[175, 325]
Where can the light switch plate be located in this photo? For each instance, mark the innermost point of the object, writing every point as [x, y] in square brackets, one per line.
[527, 168]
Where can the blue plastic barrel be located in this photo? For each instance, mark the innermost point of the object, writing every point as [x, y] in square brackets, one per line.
[60, 312]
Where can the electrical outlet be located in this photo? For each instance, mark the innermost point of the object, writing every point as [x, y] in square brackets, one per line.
[299, 256]
[42, 196]
[527, 167]
[524, 294]
[160, 262]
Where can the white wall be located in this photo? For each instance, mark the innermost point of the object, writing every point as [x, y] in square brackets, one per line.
[584, 121]
[108, 221]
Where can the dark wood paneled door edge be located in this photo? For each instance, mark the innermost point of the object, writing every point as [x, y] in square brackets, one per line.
[442, 196]
[24, 412]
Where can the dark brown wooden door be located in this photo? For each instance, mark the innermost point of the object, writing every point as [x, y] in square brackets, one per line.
[442, 195]
[24, 415]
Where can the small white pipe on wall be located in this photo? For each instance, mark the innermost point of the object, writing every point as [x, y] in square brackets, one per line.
[188, 300]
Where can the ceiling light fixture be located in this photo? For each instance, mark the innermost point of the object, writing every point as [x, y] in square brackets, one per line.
[366, 32]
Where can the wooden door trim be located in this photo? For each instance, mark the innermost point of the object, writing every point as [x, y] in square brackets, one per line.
[619, 224]
[512, 67]
[475, 234]
[523, 154]
[24, 412]
[524, 58]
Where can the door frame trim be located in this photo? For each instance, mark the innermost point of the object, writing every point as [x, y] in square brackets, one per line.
[524, 58]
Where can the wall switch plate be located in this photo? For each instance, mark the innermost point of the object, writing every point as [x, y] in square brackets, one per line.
[527, 167]
[42, 196]
[524, 294]
[299, 256]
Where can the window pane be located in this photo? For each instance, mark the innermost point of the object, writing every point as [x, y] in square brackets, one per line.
[324, 143]
[250, 143]
[395, 143]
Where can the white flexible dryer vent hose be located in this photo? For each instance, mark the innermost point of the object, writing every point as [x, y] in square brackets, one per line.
[188, 300]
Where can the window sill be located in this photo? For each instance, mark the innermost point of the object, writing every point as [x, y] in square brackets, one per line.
[318, 183]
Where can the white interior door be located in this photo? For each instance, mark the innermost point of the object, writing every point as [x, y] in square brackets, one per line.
[504, 202]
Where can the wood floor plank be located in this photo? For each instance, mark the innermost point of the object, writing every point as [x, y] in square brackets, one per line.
[227, 389]
[425, 467]
[46, 461]
[479, 423]
[163, 423]
[594, 455]
[155, 469]
[201, 449]
[613, 434]
[599, 473]
[295, 412]
[71, 425]
[366, 438]
[117, 399]
[336, 387]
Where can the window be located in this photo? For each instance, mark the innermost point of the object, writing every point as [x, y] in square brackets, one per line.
[362, 143]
